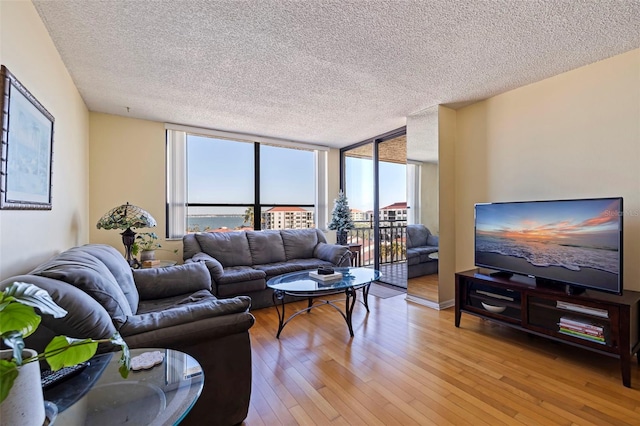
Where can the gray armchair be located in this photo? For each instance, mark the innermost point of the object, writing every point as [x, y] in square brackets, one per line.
[164, 308]
[420, 244]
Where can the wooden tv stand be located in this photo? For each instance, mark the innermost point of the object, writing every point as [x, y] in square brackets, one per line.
[538, 309]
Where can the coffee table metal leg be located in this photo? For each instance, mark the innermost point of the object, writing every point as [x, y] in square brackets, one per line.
[351, 301]
[365, 295]
[278, 295]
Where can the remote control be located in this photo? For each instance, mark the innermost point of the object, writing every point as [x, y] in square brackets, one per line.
[50, 378]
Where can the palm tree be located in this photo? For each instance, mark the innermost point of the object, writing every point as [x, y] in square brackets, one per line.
[248, 216]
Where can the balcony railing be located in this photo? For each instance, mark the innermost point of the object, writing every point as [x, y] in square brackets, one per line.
[393, 237]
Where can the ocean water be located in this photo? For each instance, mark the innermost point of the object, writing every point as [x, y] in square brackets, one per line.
[544, 254]
[205, 223]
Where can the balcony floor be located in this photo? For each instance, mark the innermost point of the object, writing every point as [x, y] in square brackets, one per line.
[394, 274]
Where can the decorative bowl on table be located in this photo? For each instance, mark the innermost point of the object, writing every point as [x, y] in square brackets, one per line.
[494, 309]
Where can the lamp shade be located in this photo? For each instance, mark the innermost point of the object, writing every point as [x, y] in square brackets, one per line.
[126, 216]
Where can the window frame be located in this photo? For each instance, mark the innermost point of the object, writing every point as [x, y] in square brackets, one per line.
[177, 187]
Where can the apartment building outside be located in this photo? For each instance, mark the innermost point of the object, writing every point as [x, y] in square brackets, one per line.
[359, 215]
[394, 212]
[287, 218]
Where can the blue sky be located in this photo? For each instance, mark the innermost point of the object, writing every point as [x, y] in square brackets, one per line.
[393, 183]
[221, 171]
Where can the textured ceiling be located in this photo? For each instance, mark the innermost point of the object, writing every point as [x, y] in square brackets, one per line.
[325, 72]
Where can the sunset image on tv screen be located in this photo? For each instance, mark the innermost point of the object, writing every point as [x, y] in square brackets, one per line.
[556, 239]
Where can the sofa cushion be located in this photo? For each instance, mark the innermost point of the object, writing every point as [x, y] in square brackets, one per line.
[118, 266]
[426, 250]
[160, 283]
[293, 265]
[215, 267]
[236, 274]
[89, 274]
[417, 235]
[312, 263]
[337, 255]
[159, 305]
[299, 243]
[230, 248]
[159, 315]
[419, 255]
[279, 268]
[321, 237]
[413, 258]
[85, 318]
[190, 246]
[266, 247]
[241, 280]
[245, 287]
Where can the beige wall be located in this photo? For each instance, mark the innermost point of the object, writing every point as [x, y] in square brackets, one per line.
[447, 122]
[127, 164]
[574, 135]
[30, 237]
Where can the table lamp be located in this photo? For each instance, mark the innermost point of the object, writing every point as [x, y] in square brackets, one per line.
[125, 217]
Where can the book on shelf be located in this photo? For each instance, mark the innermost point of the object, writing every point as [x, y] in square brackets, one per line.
[584, 330]
[596, 339]
[325, 277]
[581, 329]
[580, 324]
[603, 313]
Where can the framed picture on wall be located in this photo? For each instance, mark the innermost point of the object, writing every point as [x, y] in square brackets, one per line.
[27, 148]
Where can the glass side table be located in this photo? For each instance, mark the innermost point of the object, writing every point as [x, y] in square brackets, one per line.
[161, 395]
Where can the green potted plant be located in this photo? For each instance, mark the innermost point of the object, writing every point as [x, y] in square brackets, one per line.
[146, 244]
[341, 218]
[147, 241]
[20, 387]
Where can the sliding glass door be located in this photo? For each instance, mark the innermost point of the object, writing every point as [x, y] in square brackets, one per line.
[358, 175]
[392, 194]
[373, 175]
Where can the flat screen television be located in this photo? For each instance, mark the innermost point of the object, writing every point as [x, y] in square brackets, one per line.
[576, 243]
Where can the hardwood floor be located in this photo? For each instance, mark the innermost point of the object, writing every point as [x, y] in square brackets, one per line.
[409, 364]
[425, 286]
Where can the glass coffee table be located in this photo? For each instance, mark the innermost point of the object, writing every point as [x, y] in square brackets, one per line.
[99, 396]
[300, 284]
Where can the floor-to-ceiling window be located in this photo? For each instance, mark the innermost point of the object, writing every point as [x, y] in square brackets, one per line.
[220, 184]
[357, 178]
[392, 190]
[373, 176]
[287, 188]
[229, 180]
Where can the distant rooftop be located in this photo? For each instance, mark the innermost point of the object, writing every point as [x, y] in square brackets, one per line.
[396, 206]
[286, 209]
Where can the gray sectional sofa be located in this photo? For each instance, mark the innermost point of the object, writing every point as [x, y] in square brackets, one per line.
[420, 244]
[241, 262]
[169, 308]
